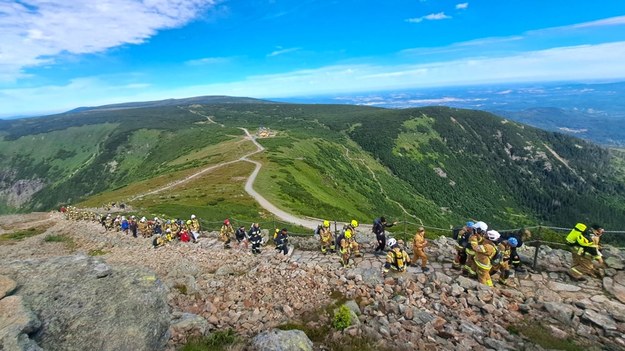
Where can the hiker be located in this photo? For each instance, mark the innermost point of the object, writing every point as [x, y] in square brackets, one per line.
[133, 226]
[483, 256]
[584, 250]
[282, 240]
[501, 262]
[520, 235]
[184, 235]
[475, 240]
[379, 226]
[326, 238]
[241, 236]
[158, 241]
[125, 225]
[461, 235]
[143, 227]
[418, 246]
[256, 238]
[195, 228]
[347, 244]
[226, 233]
[397, 258]
[157, 227]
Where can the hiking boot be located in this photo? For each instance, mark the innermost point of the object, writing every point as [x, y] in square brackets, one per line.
[520, 269]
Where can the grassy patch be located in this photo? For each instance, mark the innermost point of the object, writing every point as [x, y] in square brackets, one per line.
[215, 341]
[540, 335]
[342, 318]
[181, 288]
[97, 252]
[21, 235]
[62, 238]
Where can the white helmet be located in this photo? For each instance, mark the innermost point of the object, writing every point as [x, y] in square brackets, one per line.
[143, 219]
[481, 227]
[192, 216]
[392, 242]
[493, 235]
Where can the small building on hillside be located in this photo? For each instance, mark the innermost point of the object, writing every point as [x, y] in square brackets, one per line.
[265, 133]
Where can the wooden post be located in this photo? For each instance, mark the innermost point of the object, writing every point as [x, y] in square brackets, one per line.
[537, 247]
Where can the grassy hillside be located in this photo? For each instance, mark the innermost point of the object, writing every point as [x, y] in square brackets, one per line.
[440, 165]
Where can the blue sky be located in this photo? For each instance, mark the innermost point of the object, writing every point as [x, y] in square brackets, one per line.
[60, 54]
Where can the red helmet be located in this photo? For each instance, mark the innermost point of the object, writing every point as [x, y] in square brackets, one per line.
[227, 222]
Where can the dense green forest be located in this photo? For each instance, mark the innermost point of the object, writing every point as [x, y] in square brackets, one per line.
[442, 165]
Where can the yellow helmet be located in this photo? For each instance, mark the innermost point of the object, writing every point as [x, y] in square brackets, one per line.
[189, 221]
[348, 234]
[354, 223]
[326, 224]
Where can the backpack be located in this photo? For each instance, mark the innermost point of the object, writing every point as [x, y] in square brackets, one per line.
[497, 256]
[318, 230]
[455, 232]
[378, 228]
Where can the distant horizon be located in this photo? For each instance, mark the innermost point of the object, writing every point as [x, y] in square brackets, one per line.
[132, 50]
[304, 98]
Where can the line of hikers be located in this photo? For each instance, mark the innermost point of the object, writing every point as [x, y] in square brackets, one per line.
[480, 252]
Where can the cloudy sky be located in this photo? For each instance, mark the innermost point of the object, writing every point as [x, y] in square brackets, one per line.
[60, 54]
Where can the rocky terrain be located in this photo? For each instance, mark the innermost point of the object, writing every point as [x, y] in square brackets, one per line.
[71, 294]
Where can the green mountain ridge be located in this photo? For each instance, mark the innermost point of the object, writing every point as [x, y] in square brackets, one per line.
[442, 165]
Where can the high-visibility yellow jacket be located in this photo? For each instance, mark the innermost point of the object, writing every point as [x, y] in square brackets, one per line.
[576, 236]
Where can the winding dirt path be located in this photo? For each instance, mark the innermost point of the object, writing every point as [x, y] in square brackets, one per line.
[264, 203]
[249, 186]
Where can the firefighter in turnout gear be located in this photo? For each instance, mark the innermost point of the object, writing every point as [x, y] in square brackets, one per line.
[241, 236]
[584, 250]
[282, 240]
[143, 227]
[347, 244]
[194, 228]
[501, 263]
[397, 258]
[520, 235]
[484, 253]
[326, 238]
[461, 235]
[256, 238]
[418, 247]
[475, 240]
[226, 233]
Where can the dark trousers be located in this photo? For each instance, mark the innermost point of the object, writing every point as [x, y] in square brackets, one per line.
[381, 242]
[283, 248]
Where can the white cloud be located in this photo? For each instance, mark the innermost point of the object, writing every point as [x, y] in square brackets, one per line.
[462, 6]
[33, 32]
[612, 21]
[430, 17]
[603, 61]
[282, 51]
[207, 61]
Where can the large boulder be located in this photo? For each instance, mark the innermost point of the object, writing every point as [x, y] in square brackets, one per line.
[84, 304]
[282, 340]
[7, 285]
[616, 286]
[16, 322]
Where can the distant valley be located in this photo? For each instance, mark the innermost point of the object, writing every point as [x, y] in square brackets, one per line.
[432, 165]
[593, 111]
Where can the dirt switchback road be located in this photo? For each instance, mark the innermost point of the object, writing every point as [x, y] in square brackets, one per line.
[249, 187]
[264, 203]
